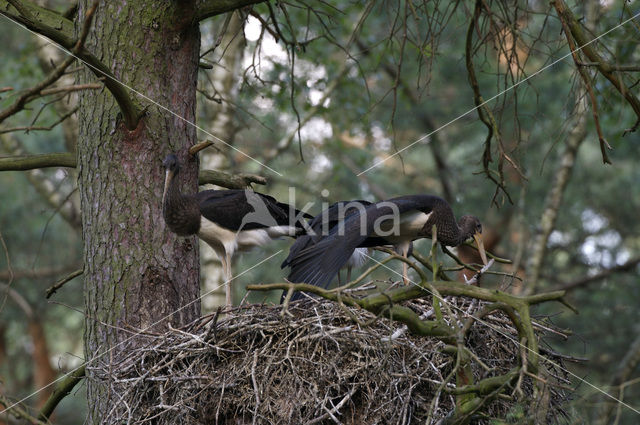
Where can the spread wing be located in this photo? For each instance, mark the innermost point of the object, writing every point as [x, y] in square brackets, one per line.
[321, 224]
[319, 262]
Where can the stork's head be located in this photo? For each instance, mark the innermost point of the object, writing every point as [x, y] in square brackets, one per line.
[172, 168]
[472, 228]
[171, 164]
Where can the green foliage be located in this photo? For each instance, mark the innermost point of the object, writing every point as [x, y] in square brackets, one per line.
[371, 114]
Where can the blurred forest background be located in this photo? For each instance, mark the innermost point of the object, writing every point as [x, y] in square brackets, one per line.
[328, 94]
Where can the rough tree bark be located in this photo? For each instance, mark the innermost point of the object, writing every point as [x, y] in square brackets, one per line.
[137, 274]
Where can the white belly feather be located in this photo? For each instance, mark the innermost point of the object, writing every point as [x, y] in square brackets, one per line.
[358, 258]
[409, 226]
[225, 241]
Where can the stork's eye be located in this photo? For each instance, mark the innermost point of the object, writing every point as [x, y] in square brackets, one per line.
[479, 228]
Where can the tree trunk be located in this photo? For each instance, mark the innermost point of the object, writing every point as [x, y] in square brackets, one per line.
[136, 272]
[43, 372]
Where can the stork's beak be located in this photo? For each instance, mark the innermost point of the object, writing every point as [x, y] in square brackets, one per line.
[167, 179]
[478, 237]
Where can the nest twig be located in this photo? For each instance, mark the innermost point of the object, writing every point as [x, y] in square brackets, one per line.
[314, 366]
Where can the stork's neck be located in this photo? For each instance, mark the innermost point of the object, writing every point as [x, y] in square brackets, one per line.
[449, 232]
[181, 212]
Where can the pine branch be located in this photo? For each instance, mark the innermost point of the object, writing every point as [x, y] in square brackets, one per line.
[19, 413]
[60, 283]
[588, 48]
[60, 30]
[45, 160]
[587, 280]
[45, 272]
[67, 159]
[210, 8]
[62, 390]
[230, 181]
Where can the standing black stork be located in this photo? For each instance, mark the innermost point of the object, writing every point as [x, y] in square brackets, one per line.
[396, 221]
[229, 221]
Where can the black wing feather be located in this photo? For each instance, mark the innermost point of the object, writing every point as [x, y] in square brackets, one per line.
[331, 216]
[227, 208]
[318, 263]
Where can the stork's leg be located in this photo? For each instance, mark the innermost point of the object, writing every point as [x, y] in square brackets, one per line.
[403, 249]
[227, 283]
[225, 276]
[349, 268]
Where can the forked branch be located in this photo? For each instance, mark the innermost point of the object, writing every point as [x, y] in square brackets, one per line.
[60, 29]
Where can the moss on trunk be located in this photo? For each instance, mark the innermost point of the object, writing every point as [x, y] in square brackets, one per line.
[136, 272]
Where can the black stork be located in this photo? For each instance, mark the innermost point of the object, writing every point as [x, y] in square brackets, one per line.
[397, 221]
[320, 226]
[229, 221]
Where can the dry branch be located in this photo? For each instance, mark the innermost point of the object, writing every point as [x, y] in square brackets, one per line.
[630, 265]
[66, 159]
[589, 49]
[62, 390]
[315, 366]
[35, 91]
[19, 413]
[66, 205]
[426, 121]
[40, 128]
[626, 367]
[552, 204]
[210, 8]
[60, 283]
[484, 113]
[230, 181]
[60, 29]
[25, 306]
[40, 273]
[30, 162]
[587, 83]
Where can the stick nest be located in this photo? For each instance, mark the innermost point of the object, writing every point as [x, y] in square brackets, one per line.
[316, 365]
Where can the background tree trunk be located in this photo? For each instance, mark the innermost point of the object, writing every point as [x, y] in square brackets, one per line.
[136, 272]
[224, 85]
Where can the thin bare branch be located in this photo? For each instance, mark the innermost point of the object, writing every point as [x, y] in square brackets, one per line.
[589, 49]
[60, 283]
[40, 128]
[41, 273]
[18, 299]
[484, 113]
[592, 97]
[62, 390]
[587, 280]
[19, 412]
[60, 30]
